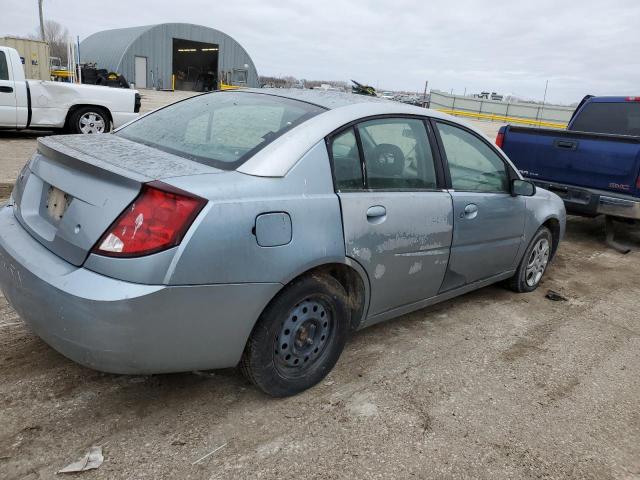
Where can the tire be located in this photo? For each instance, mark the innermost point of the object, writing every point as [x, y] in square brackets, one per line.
[89, 120]
[299, 337]
[534, 262]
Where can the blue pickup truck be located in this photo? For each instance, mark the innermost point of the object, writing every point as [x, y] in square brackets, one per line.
[593, 165]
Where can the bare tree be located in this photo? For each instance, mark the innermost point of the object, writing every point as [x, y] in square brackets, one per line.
[57, 36]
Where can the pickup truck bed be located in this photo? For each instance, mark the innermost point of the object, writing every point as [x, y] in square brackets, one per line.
[594, 173]
[59, 105]
[590, 171]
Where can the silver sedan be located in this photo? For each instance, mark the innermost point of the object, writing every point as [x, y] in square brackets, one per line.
[261, 228]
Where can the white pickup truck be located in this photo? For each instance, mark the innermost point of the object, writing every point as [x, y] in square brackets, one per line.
[36, 104]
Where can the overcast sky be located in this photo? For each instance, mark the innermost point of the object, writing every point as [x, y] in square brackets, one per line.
[511, 47]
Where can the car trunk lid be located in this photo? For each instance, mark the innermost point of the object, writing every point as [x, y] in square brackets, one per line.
[76, 186]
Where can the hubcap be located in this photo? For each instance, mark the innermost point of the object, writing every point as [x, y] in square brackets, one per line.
[92, 122]
[538, 261]
[303, 336]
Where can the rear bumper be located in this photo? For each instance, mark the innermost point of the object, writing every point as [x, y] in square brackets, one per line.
[591, 202]
[120, 327]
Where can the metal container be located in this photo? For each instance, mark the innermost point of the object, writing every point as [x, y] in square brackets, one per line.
[34, 55]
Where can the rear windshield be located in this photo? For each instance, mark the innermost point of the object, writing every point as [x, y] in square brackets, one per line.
[613, 118]
[221, 129]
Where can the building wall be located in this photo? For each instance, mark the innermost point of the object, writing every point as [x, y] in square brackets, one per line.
[35, 54]
[546, 113]
[156, 44]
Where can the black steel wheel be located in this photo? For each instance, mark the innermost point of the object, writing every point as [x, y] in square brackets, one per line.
[299, 337]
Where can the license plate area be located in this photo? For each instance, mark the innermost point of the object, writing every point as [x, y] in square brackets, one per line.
[57, 203]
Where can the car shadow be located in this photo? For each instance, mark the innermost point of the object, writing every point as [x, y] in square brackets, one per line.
[25, 134]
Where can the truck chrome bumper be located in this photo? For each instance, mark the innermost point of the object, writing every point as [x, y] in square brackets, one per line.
[592, 202]
[619, 207]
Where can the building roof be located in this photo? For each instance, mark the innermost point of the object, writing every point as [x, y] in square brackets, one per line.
[108, 46]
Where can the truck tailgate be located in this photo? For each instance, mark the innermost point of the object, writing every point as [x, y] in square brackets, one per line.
[598, 161]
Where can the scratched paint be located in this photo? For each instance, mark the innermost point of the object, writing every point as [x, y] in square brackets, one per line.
[363, 253]
[379, 272]
[415, 268]
[398, 242]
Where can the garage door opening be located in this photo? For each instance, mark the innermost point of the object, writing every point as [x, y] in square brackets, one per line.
[195, 65]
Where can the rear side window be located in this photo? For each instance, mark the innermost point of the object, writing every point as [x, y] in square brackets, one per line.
[473, 165]
[346, 161]
[611, 118]
[222, 129]
[397, 154]
[4, 69]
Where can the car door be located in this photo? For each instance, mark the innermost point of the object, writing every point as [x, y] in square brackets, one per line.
[397, 219]
[488, 220]
[8, 107]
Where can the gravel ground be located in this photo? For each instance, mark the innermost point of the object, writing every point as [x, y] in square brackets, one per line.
[490, 385]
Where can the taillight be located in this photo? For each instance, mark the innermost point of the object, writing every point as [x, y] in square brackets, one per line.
[500, 139]
[632, 99]
[156, 220]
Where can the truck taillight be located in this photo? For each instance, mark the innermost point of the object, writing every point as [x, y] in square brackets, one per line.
[632, 99]
[156, 220]
[500, 139]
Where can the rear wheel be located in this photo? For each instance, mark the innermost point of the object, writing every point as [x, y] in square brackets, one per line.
[534, 262]
[89, 120]
[299, 337]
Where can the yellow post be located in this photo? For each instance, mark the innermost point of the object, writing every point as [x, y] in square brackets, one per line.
[173, 82]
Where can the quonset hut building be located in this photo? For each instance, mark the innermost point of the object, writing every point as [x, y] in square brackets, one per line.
[171, 55]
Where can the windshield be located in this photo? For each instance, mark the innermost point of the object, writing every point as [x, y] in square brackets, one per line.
[221, 129]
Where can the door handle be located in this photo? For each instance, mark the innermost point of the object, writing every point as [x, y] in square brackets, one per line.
[5, 89]
[376, 214]
[470, 211]
[565, 144]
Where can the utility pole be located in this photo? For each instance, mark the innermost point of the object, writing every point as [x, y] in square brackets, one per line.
[424, 95]
[544, 100]
[41, 21]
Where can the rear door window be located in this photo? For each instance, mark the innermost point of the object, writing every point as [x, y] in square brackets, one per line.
[397, 154]
[347, 168]
[610, 118]
[4, 68]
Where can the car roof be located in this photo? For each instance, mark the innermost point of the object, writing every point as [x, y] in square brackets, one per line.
[329, 99]
[278, 157]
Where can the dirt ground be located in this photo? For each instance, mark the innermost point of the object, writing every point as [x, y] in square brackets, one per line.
[490, 385]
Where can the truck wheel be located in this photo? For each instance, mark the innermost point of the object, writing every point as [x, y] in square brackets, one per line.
[89, 120]
[534, 262]
[299, 337]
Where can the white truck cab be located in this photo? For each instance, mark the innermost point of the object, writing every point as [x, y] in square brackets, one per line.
[38, 104]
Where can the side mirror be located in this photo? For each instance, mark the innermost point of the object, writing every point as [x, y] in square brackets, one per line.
[522, 188]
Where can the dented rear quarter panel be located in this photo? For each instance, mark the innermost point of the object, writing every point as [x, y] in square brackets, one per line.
[51, 101]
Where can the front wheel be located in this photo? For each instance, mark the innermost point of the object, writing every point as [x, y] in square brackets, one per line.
[534, 262]
[89, 120]
[299, 337]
